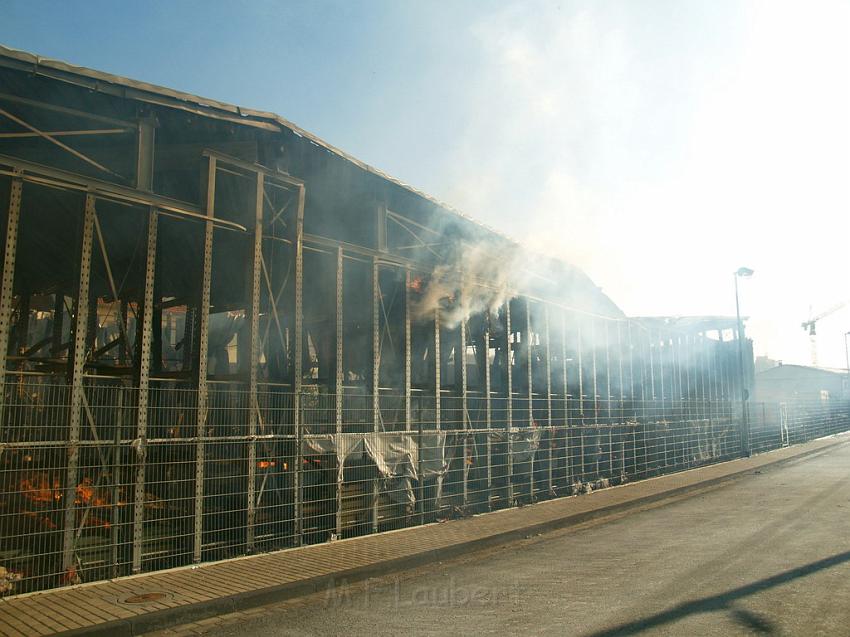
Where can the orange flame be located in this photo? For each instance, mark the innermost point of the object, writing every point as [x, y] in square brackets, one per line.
[416, 284]
[86, 494]
[37, 487]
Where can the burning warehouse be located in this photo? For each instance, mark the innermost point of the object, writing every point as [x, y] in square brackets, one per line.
[221, 335]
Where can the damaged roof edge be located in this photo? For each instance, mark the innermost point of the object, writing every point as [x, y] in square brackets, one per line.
[127, 88]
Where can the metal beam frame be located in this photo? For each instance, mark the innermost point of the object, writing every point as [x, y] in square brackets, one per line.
[16, 99]
[670, 353]
[37, 173]
[50, 138]
[122, 318]
[68, 133]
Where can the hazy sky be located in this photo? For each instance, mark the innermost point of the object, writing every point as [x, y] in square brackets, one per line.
[658, 145]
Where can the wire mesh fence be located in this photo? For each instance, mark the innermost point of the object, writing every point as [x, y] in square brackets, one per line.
[247, 473]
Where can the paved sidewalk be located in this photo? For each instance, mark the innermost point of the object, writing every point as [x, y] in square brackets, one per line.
[190, 594]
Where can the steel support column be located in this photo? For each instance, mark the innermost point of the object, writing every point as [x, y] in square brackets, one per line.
[662, 348]
[488, 408]
[685, 364]
[652, 345]
[530, 394]
[509, 407]
[699, 343]
[621, 419]
[254, 361]
[203, 320]
[581, 396]
[675, 395]
[722, 389]
[631, 347]
[437, 384]
[646, 389]
[81, 321]
[608, 420]
[376, 346]
[376, 375]
[710, 386]
[594, 372]
[298, 362]
[140, 443]
[437, 380]
[338, 380]
[408, 415]
[460, 360]
[7, 288]
[608, 393]
[663, 416]
[677, 361]
[565, 379]
[548, 355]
[339, 377]
[595, 389]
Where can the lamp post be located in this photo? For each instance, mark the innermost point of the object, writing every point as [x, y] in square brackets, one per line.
[745, 425]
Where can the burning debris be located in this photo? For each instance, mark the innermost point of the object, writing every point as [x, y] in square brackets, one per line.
[7, 580]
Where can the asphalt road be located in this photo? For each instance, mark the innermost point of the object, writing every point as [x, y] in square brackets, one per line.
[767, 554]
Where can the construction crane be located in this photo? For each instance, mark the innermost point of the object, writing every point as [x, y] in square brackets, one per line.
[810, 327]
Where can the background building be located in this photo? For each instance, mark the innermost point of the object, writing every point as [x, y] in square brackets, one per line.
[798, 382]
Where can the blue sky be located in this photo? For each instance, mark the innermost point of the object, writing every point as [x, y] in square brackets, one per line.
[658, 144]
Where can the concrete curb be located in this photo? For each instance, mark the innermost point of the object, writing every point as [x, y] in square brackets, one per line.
[157, 620]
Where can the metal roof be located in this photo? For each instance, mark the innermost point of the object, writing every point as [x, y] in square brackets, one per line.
[101, 81]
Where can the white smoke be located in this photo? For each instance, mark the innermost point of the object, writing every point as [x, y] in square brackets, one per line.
[476, 278]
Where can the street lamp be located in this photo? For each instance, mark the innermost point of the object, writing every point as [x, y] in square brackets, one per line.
[745, 437]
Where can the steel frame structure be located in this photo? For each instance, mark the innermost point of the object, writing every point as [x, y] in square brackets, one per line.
[264, 343]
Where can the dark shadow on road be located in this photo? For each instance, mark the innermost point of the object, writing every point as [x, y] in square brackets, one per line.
[755, 622]
[724, 601]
